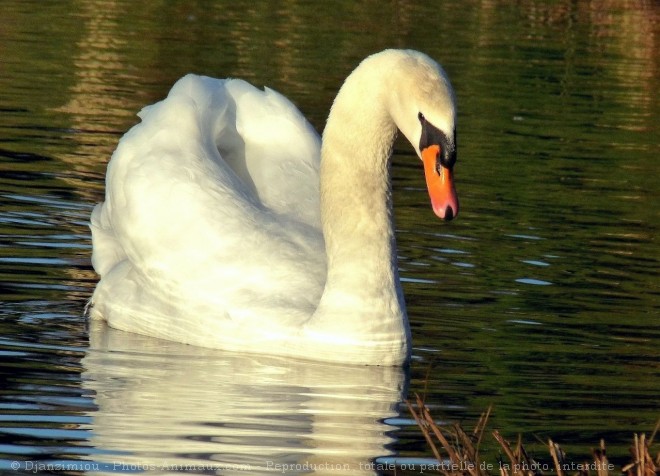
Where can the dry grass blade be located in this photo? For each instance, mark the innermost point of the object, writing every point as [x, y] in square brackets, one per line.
[453, 455]
[506, 447]
[520, 463]
[469, 452]
[423, 426]
[463, 455]
[600, 460]
[557, 456]
[529, 462]
[479, 430]
[655, 432]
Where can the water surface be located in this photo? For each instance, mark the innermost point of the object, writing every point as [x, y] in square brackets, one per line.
[541, 298]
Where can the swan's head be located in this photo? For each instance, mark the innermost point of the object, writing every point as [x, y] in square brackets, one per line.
[438, 152]
[423, 108]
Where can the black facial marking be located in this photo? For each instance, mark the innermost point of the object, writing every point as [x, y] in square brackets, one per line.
[431, 135]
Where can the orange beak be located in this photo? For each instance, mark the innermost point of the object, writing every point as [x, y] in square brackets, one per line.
[440, 185]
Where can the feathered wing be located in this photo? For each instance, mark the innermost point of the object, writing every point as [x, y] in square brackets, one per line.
[281, 151]
[212, 207]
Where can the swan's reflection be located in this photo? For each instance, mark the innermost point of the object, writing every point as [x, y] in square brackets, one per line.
[164, 406]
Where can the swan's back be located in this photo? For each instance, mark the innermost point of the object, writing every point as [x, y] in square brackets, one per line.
[211, 211]
[260, 135]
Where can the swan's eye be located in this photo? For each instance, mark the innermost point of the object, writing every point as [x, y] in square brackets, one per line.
[420, 116]
[438, 161]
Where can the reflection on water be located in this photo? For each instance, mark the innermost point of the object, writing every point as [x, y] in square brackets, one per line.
[165, 404]
[541, 299]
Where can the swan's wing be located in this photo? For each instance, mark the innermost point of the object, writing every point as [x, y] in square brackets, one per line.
[185, 231]
[261, 136]
[281, 154]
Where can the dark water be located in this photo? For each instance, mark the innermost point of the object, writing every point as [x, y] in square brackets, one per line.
[541, 299]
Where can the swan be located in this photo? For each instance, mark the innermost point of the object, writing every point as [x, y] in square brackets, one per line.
[227, 223]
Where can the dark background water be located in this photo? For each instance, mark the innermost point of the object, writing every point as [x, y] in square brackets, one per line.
[542, 298]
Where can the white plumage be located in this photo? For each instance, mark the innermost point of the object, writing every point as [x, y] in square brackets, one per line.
[220, 227]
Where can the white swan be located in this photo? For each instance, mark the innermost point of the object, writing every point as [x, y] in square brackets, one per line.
[226, 224]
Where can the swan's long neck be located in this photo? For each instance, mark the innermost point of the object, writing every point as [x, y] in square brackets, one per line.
[362, 295]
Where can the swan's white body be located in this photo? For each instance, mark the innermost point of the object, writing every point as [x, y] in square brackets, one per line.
[222, 227]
